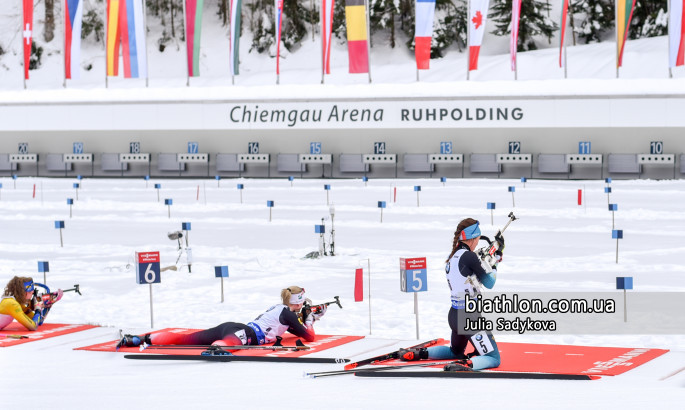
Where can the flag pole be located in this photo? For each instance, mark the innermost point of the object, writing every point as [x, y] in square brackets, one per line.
[21, 30]
[468, 40]
[568, 7]
[368, 38]
[147, 66]
[670, 69]
[106, 41]
[64, 49]
[323, 41]
[313, 24]
[185, 30]
[231, 40]
[617, 39]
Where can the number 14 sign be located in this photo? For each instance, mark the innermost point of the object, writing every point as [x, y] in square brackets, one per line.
[413, 275]
[147, 268]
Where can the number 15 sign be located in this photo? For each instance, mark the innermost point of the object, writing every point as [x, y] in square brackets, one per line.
[147, 268]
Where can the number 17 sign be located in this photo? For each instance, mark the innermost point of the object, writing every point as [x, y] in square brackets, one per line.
[147, 268]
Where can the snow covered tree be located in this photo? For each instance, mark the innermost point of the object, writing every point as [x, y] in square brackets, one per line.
[451, 26]
[592, 19]
[49, 26]
[534, 21]
[650, 19]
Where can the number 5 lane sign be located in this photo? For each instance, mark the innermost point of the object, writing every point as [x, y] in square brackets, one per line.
[147, 269]
[413, 275]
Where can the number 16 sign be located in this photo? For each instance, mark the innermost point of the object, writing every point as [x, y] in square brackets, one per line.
[147, 271]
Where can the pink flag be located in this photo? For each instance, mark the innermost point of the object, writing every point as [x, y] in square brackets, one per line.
[279, 17]
[515, 16]
[27, 31]
[564, 16]
[327, 8]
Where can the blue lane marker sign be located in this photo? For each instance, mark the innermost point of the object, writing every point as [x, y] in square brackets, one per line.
[43, 267]
[319, 228]
[617, 234]
[624, 282]
[607, 190]
[221, 271]
[381, 205]
[491, 207]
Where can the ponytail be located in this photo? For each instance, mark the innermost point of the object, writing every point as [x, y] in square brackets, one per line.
[288, 292]
[457, 234]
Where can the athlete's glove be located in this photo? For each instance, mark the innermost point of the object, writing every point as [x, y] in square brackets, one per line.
[52, 298]
[313, 317]
[500, 241]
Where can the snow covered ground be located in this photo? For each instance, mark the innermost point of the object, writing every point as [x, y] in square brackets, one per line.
[555, 246]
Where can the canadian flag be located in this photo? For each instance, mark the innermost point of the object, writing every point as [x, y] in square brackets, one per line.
[477, 17]
[27, 31]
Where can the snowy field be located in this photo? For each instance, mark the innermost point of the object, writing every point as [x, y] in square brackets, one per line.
[555, 246]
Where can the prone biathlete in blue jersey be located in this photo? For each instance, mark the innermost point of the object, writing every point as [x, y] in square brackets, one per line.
[465, 275]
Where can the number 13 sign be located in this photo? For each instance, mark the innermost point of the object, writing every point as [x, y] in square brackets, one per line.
[147, 268]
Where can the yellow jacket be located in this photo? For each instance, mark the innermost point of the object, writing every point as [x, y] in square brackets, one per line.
[22, 314]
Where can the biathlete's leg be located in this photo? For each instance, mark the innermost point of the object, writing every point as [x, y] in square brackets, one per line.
[457, 345]
[488, 353]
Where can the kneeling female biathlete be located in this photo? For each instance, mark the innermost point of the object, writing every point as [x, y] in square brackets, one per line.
[466, 275]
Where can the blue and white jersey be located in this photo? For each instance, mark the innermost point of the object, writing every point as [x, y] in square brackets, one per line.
[465, 275]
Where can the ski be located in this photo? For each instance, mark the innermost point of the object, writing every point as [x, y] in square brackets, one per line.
[389, 356]
[476, 375]
[232, 358]
[225, 348]
[375, 369]
[15, 336]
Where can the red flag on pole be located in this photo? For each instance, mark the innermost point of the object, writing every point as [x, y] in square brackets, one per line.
[580, 197]
[27, 31]
[359, 285]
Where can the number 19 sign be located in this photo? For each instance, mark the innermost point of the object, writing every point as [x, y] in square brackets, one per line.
[147, 271]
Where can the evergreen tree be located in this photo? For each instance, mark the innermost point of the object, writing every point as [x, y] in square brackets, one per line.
[49, 26]
[534, 21]
[452, 16]
[260, 17]
[650, 19]
[592, 19]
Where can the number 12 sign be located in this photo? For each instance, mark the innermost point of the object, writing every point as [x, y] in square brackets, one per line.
[147, 268]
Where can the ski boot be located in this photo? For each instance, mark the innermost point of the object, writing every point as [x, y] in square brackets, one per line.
[461, 365]
[133, 341]
[409, 355]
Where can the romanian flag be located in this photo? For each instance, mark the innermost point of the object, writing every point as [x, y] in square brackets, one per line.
[73, 17]
[193, 30]
[327, 9]
[564, 18]
[624, 12]
[357, 37]
[513, 44]
[125, 27]
[27, 31]
[478, 16]
[233, 58]
[676, 33]
[423, 34]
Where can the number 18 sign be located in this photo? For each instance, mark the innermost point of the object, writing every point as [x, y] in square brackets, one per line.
[413, 275]
[147, 268]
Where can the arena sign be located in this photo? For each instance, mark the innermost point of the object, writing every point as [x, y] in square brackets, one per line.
[405, 113]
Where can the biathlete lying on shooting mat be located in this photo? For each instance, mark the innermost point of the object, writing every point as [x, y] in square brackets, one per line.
[266, 328]
[19, 303]
[466, 274]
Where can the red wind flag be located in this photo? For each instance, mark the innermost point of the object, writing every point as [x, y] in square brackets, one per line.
[359, 285]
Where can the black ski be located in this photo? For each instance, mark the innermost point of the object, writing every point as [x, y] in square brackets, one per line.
[474, 375]
[224, 348]
[232, 358]
[389, 356]
[377, 369]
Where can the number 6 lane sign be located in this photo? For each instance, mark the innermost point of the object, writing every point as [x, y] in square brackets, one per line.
[147, 269]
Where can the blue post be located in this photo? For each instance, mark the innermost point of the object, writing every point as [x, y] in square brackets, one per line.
[443, 180]
[291, 179]
[491, 207]
[512, 189]
[218, 181]
[147, 178]
[44, 267]
[0, 190]
[327, 188]
[625, 283]
[14, 178]
[417, 189]
[70, 202]
[168, 202]
[613, 208]
[60, 225]
[76, 187]
[270, 205]
[365, 179]
[185, 226]
[617, 234]
[607, 190]
[524, 179]
[221, 272]
[240, 188]
[381, 205]
[158, 187]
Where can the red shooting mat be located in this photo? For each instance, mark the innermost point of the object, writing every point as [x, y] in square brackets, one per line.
[567, 359]
[322, 342]
[45, 331]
